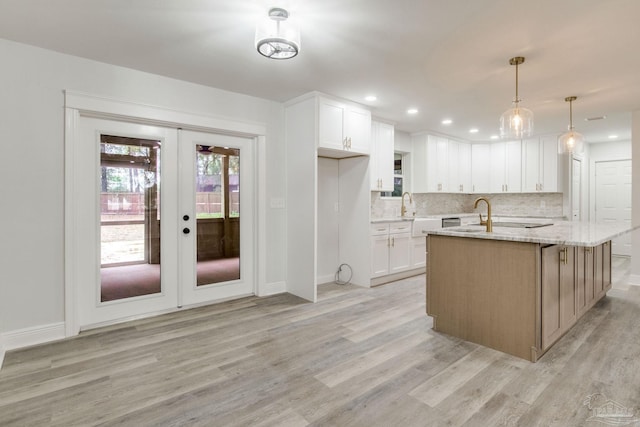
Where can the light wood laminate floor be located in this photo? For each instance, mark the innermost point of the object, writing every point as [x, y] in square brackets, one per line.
[359, 357]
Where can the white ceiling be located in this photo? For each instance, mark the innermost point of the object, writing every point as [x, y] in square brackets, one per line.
[447, 58]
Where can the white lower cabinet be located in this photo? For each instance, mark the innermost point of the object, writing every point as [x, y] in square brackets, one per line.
[399, 251]
[394, 250]
[418, 252]
[380, 251]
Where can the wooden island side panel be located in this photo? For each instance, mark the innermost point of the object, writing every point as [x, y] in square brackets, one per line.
[486, 291]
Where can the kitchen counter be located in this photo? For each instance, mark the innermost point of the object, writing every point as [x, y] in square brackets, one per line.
[560, 233]
[398, 219]
[517, 290]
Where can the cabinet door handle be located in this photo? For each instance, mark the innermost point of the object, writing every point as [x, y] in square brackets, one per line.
[564, 255]
[393, 242]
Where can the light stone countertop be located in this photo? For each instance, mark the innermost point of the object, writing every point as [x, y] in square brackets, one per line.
[398, 219]
[560, 233]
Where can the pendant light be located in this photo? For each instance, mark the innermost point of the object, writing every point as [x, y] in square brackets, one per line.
[572, 141]
[275, 39]
[516, 122]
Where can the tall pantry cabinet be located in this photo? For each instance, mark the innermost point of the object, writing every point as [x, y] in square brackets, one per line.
[335, 133]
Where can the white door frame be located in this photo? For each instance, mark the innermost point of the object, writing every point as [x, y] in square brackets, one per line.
[78, 105]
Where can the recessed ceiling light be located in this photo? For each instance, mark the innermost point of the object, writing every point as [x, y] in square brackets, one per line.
[412, 111]
[370, 98]
[494, 137]
[447, 121]
[473, 130]
[613, 136]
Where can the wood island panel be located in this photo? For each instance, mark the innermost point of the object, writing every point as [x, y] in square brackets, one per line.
[486, 291]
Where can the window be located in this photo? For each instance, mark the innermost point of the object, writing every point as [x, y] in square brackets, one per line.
[217, 185]
[398, 177]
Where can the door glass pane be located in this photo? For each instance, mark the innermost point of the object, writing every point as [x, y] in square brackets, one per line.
[217, 214]
[129, 217]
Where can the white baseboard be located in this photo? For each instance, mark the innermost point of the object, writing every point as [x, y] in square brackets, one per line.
[634, 279]
[272, 288]
[31, 336]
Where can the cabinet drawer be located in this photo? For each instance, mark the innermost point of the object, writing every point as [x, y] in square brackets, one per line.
[379, 229]
[400, 227]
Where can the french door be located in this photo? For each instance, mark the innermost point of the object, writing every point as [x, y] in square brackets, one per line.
[168, 219]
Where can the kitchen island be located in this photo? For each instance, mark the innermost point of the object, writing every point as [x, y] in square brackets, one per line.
[517, 290]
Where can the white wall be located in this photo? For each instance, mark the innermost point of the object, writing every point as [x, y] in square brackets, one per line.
[328, 251]
[402, 141]
[31, 166]
[635, 197]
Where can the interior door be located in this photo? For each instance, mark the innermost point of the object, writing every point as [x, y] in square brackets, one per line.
[125, 237]
[613, 199]
[217, 219]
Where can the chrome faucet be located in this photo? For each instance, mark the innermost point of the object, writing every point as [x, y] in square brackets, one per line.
[403, 208]
[488, 221]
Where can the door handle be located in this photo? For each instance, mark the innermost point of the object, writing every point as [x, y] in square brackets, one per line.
[185, 217]
[186, 230]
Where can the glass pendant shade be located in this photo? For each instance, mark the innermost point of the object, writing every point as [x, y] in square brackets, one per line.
[276, 38]
[571, 141]
[516, 122]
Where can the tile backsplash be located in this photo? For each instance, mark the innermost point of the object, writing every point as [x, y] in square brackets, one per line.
[513, 204]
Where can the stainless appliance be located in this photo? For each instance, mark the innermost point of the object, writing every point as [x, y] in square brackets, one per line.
[451, 222]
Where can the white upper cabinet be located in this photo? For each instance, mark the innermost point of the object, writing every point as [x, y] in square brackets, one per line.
[480, 168]
[540, 165]
[506, 167]
[464, 167]
[440, 165]
[430, 163]
[381, 158]
[531, 165]
[453, 175]
[343, 127]
[459, 177]
[549, 179]
[437, 163]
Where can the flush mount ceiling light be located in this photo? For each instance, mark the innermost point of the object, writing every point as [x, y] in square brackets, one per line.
[516, 122]
[572, 141]
[275, 39]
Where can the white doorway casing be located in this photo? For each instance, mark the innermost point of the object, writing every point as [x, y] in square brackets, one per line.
[79, 105]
